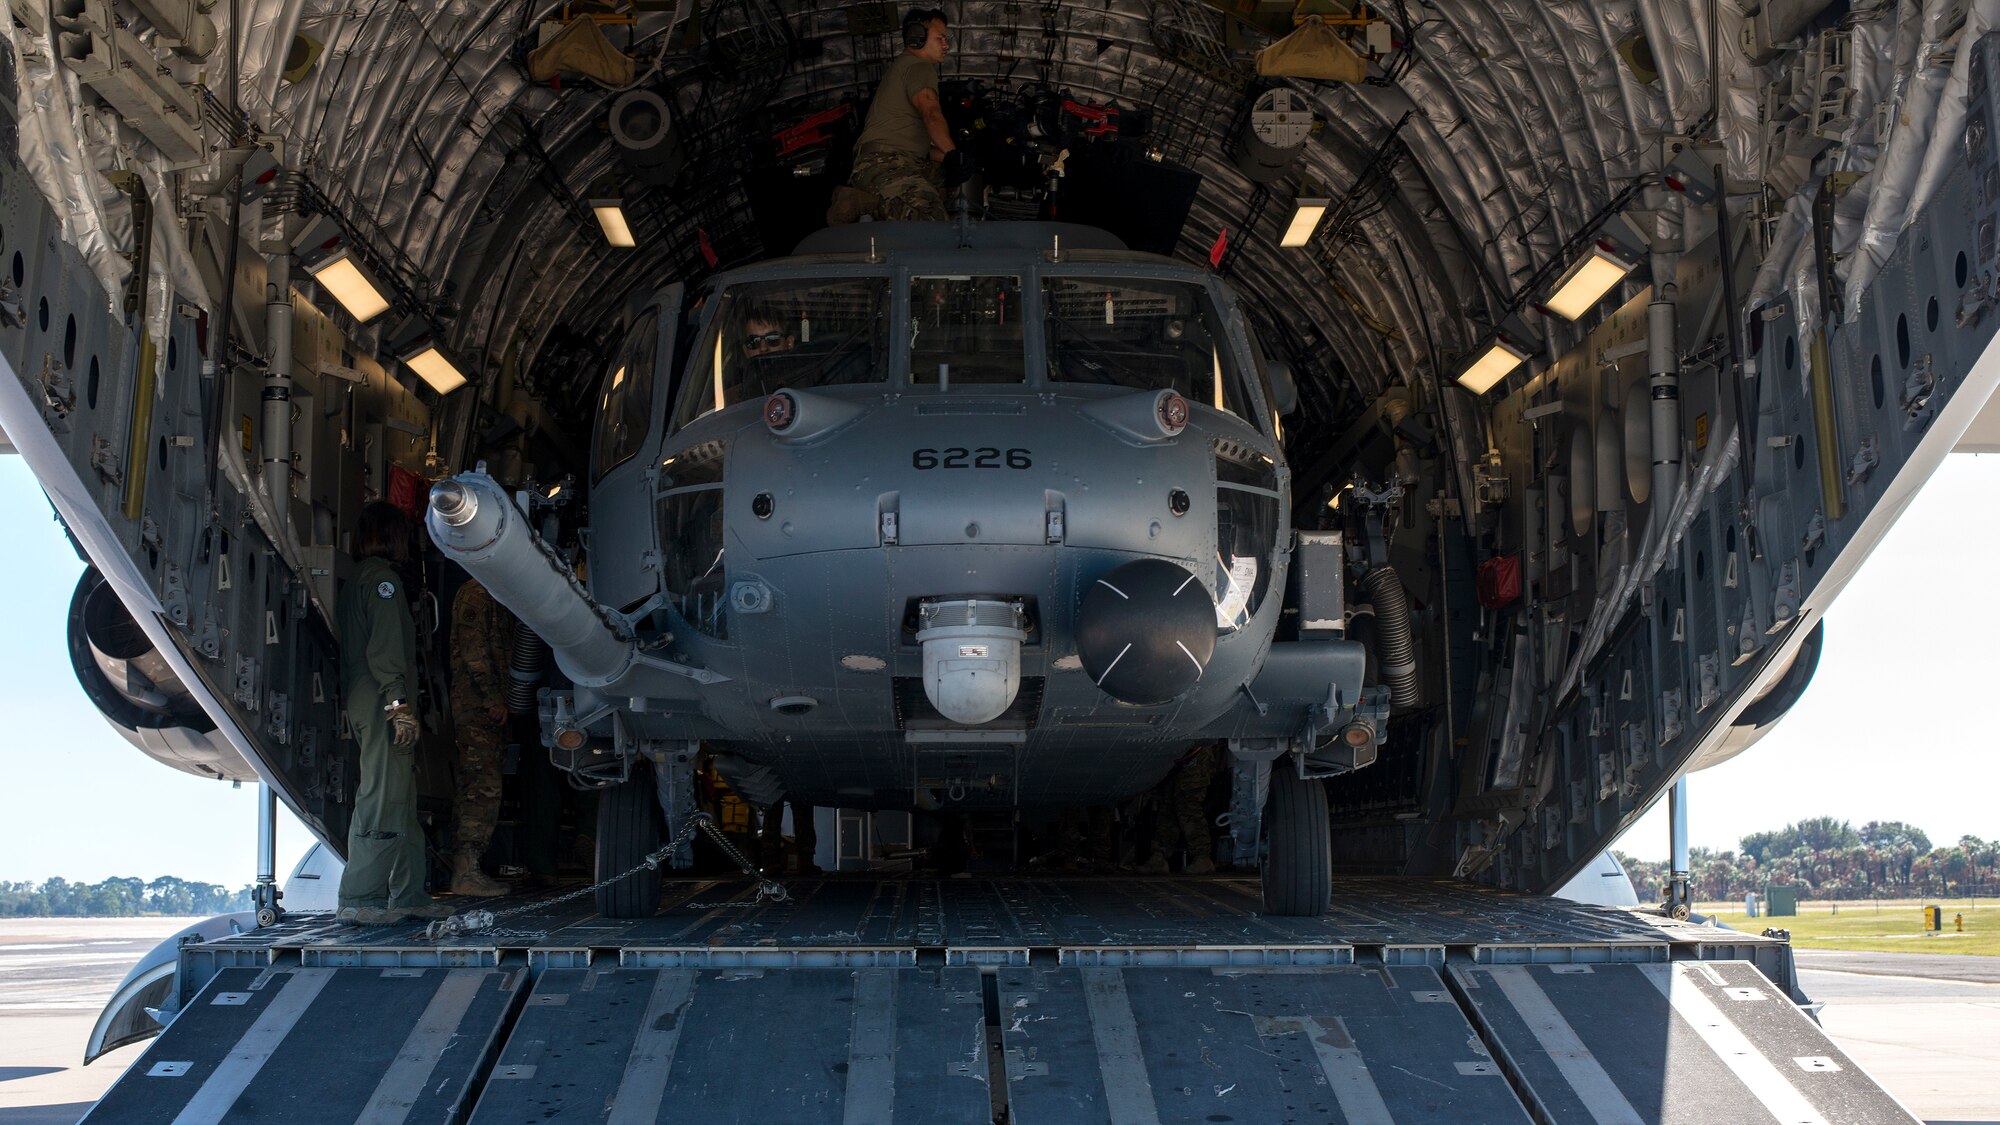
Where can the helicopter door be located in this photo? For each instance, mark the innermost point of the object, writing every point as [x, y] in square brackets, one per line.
[623, 544]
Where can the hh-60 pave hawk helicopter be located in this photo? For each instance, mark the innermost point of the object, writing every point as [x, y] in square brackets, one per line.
[928, 515]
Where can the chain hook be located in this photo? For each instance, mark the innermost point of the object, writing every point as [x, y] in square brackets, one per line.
[476, 921]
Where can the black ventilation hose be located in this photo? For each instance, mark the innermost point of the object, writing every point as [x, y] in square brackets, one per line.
[1395, 643]
[524, 669]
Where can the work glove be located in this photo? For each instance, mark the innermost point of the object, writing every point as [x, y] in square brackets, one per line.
[403, 725]
[958, 167]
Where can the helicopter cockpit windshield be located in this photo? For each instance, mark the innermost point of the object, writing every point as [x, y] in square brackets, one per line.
[965, 331]
[1143, 334]
[802, 334]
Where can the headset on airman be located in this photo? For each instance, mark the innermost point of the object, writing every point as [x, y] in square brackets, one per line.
[917, 26]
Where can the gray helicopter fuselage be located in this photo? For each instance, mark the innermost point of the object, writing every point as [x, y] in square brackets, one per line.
[956, 432]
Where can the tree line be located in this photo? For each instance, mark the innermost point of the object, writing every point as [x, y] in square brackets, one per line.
[118, 898]
[1828, 858]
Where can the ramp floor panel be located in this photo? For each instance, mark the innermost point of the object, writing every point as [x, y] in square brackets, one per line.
[311, 1044]
[1141, 1001]
[1366, 1045]
[1118, 911]
[1681, 1042]
[746, 1045]
[1071, 913]
[1077, 913]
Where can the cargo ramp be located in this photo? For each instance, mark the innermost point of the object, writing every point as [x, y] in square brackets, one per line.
[1029, 1001]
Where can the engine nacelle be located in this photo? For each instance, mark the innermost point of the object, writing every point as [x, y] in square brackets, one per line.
[137, 692]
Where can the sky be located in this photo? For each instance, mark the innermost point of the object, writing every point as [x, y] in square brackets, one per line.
[1896, 724]
[76, 799]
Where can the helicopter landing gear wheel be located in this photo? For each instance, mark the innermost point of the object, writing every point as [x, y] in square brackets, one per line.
[628, 829]
[1298, 859]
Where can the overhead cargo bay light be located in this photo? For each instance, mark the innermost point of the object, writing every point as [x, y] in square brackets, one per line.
[1491, 364]
[342, 276]
[1305, 219]
[1586, 282]
[434, 368]
[610, 212]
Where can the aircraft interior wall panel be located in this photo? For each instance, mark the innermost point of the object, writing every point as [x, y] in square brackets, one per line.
[215, 580]
[71, 418]
[20, 238]
[1877, 421]
[1715, 576]
[1577, 774]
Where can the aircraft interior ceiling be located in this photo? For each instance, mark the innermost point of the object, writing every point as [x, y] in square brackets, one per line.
[1528, 128]
[1594, 536]
[1483, 145]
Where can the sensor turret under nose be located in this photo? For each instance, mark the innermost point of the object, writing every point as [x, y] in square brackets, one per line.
[972, 656]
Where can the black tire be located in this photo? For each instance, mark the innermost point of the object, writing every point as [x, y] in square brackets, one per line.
[628, 829]
[1298, 864]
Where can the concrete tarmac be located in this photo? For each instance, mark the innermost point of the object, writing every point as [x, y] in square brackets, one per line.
[1968, 967]
[1926, 1026]
[1930, 1038]
[55, 975]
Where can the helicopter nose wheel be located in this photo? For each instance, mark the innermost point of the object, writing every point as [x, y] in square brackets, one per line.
[628, 829]
[1298, 853]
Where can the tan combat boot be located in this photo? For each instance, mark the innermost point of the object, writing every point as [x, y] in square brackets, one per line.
[369, 916]
[468, 879]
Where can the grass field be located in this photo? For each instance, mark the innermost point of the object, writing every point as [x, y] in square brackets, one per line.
[1879, 927]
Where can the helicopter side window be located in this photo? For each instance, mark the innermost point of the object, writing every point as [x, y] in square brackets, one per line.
[966, 331]
[1246, 536]
[1144, 335]
[798, 333]
[625, 412]
[691, 537]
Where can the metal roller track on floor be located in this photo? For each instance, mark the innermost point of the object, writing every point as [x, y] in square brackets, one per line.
[1127, 1001]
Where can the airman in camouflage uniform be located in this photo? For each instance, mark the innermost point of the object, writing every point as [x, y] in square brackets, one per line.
[1180, 813]
[904, 144]
[911, 188]
[482, 640]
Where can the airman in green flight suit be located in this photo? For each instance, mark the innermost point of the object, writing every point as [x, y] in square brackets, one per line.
[384, 879]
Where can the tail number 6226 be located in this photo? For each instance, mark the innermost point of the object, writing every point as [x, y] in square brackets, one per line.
[985, 457]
